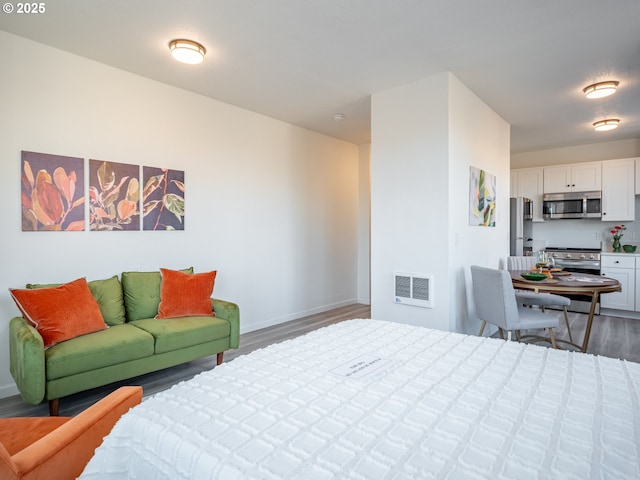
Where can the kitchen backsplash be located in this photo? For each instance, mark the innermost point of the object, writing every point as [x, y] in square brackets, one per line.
[584, 233]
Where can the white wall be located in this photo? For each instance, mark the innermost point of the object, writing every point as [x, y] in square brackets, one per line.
[273, 207]
[364, 224]
[409, 188]
[578, 153]
[425, 136]
[584, 233]
[581, 233]
[478, 137]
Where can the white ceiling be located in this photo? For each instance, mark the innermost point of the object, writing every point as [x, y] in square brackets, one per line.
[302, 61]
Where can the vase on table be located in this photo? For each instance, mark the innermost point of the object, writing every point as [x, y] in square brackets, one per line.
[616, 245]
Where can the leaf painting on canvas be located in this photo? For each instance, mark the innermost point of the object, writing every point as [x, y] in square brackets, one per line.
[163, 199]
[114, 196]
[52, 192]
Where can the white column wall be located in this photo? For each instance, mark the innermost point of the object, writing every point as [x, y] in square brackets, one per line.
[425, 136]
[409, 197]
[364, 225]
[479, 137]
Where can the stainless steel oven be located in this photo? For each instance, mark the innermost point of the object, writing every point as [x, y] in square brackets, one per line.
[577, 260]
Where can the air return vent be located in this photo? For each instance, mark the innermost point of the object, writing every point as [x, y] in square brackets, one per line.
[414, 289]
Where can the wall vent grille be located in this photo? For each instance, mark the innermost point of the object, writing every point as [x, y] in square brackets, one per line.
[413, 289]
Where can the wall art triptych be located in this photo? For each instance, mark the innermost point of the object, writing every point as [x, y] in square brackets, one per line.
[53, 195]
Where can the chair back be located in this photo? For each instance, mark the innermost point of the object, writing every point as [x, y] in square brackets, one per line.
[520, 263]
[8, 469]
[58, 448]
[494, 297]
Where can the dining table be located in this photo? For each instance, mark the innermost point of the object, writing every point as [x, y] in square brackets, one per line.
[570, 283]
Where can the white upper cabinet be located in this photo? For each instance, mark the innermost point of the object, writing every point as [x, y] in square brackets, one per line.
[586, 177]
[618, 190]
[638, 176]
[528, 182]
[557, 179]
[578, 177]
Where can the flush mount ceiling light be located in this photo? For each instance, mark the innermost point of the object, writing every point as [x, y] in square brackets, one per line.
[601, 89]
[608, 124]
[187, 51]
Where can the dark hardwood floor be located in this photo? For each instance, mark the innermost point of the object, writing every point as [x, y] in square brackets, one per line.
[611, 336]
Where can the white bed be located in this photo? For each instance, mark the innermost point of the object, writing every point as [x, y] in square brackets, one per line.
[367, 399]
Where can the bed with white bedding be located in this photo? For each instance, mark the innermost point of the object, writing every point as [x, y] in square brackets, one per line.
[368, 399]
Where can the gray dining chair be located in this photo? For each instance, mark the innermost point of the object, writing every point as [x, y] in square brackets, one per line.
[495, 302]
[541, 300]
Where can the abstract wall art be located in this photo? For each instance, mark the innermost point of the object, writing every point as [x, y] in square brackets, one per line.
[482, 198]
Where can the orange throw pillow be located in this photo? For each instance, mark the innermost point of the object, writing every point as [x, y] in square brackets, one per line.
[60, 313]
[186, 295]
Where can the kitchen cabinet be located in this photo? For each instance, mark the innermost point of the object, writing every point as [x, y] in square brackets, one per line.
[528, 182]
[577, 177]
[618, 190]
[637, 176]
[622, 268]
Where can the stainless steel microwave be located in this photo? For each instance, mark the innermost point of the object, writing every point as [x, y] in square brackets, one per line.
[571, 205]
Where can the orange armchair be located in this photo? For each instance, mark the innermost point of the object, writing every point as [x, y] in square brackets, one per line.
[58, 448]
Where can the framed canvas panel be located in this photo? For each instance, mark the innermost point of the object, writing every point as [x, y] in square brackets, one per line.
[114, 196]
[482, 198]
[52, 192]
[162, 199]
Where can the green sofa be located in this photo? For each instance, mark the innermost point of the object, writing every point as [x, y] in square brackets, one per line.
[134, 344]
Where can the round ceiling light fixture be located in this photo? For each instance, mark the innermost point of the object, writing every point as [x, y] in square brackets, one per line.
[187, 51]
[601, 89]
[608, 124]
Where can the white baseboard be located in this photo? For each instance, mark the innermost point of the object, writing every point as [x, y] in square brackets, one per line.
[295, 316]
[8, 391]
[619, 313]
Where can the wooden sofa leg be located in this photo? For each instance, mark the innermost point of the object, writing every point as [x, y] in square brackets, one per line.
[219, 359]
[54, 407]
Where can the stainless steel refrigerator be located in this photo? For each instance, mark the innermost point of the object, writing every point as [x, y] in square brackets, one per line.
[521, 226]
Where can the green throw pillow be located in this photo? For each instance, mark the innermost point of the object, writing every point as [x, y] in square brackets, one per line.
[142, 293]
[108, 294]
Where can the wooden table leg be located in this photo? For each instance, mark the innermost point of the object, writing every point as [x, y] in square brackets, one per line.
[592, 311]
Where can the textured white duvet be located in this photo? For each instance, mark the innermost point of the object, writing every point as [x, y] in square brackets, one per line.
[367, 399]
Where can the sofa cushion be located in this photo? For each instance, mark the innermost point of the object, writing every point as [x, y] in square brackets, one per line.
[176, 333]
[141, 291]
[185, 295]
[118, 344]
[60, 313]
[108, 294]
